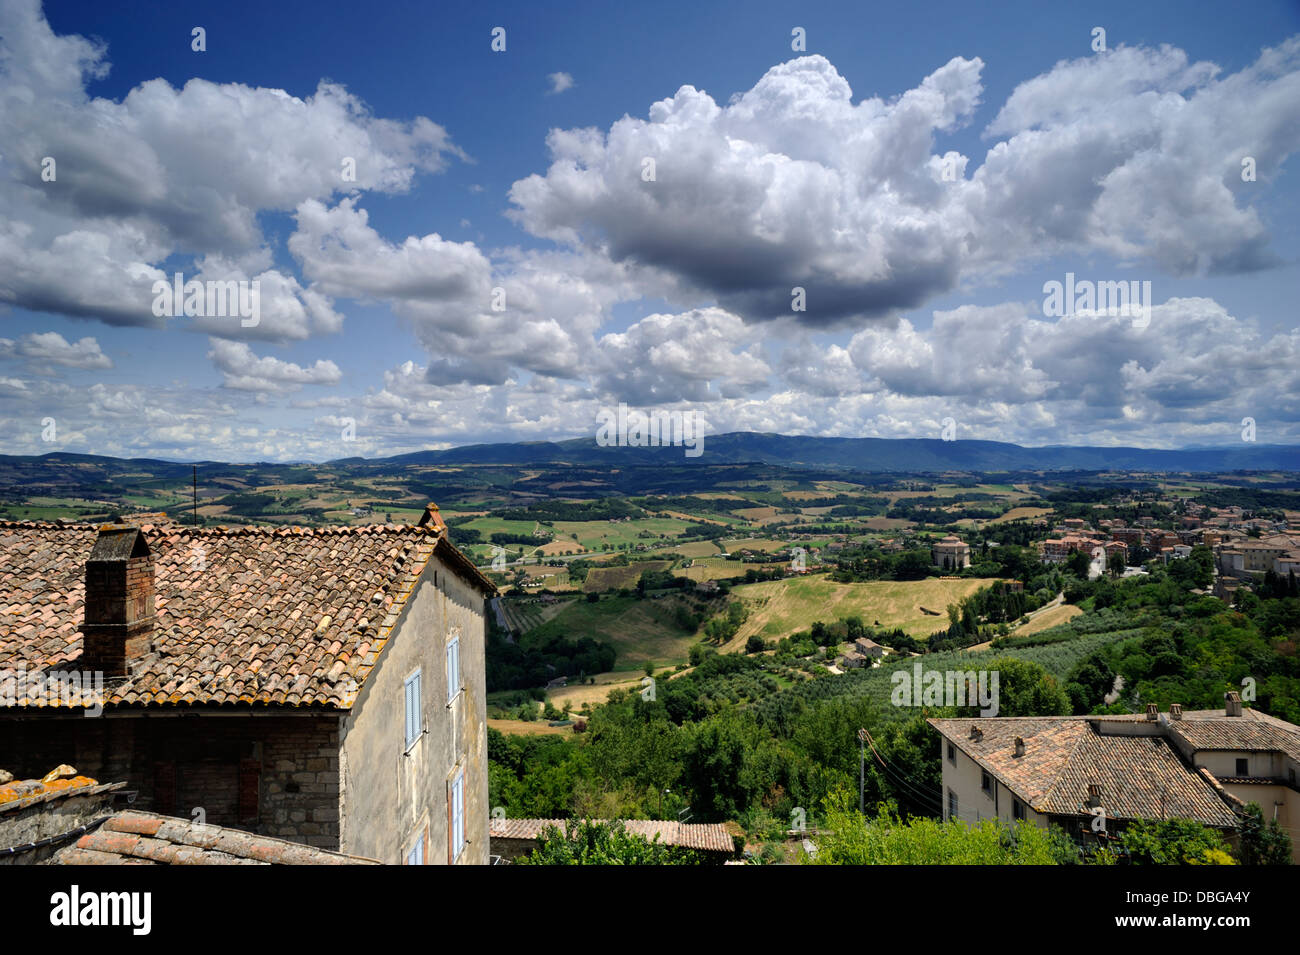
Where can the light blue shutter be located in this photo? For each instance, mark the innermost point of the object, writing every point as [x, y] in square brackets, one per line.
[413, 722]
[458, 813]
[453, 668]
[416, 855]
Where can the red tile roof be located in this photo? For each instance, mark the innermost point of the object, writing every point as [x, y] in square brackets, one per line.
[145, 838]
[1141, 777]
[22, 793]
[283, 616]
[706, 836]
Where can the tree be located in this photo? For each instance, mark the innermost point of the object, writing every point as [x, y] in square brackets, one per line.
[1173, 842]
[1026, 689]
[755, 644]
[1078, 564]
[1261, 843]
[853, 839]
[1115, 563]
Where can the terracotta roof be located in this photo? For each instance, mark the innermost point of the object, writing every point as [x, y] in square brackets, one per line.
[21, 793]
[1238, 733]
[1252, 731]
[144, 838]
[286, 616]
[1141, 777]
[706, 836]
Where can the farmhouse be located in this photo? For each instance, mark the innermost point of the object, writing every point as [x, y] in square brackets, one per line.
[320, 685]
[869, 648]
[1068, 770]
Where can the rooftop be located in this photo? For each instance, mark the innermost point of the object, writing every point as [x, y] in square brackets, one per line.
[705, 836]
[145, 838]
[1141, 777]
[284, 616]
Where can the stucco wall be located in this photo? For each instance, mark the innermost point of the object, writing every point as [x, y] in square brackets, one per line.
[1276, 802]
[388, 797]
[973, 804]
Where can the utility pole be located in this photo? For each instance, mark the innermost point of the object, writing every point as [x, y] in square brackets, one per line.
[196, 494]
[862, 771]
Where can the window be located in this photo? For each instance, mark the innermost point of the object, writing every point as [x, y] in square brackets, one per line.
[456, 812]
[453, 669]
[1017, 809]
[414, 719]
[952, 804]
[416, 855]
[986, 782]
[1243, 767]
[952, 753]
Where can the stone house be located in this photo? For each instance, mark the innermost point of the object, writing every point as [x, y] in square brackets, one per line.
[1203, 765]
[869, 648]
[320, 685]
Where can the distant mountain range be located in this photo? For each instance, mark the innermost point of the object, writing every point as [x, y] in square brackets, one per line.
[797, 451]
[871, 454]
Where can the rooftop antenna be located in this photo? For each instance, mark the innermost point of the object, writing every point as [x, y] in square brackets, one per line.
[196, 494]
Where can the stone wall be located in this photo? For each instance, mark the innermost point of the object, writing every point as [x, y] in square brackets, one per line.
[49, 817]
[275, 775]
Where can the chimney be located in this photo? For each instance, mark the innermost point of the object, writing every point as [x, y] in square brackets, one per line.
[433, 518]
[1153, 711]
[976, 733]
[1020, 746]
[1176, 711]
[119, 601]
[1232, 703]
[1094, 795]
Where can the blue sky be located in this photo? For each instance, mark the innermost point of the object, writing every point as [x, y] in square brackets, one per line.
[483, 170]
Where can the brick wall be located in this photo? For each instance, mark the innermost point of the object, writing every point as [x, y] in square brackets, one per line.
[269, 774]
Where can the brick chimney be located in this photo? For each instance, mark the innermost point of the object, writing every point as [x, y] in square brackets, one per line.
[1232, 703]
[1094, 794]
[119, 601]
[433, 518]
[1020, 746]
[1153, 712]
[1176, 711]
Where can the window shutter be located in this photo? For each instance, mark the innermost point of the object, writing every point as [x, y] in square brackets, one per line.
[451, 825]
[458, 814]
[413, 721]
[453, 668]
[416, 855]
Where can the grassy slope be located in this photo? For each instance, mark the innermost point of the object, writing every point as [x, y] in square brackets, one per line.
[780, 608]
[641, 631]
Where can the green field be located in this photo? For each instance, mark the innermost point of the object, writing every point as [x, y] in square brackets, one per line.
[781, 607]
[601, 535]
[641, 631]
[600, 579]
